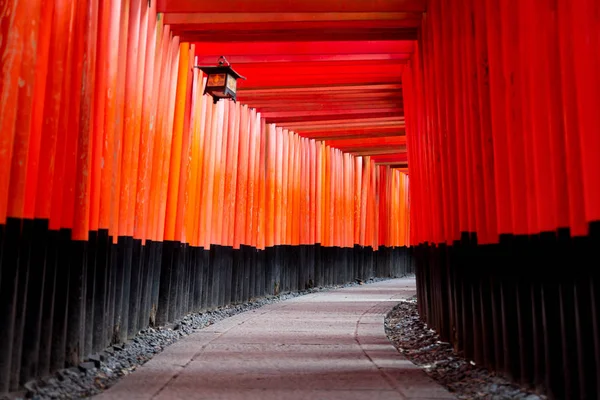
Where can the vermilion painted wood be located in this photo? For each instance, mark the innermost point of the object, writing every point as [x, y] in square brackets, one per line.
[286, 198]
[498, 121]
[393, 157]
[62, 129]
[202, 155]
[297, 35]
[81, 223]
[326, 208]
[301, 34]
[347, 79]
[190, 20]
[13, 25]
[302, 116]
[101, 67]
[137, 114]
[167, 133]
[587, 62]
[154, 34]
[322, 89]
[350, 130]
[485, 126]
[312, 182]
[212, 186]
[220, 169]
[209, 59]
[37, 111]
[191, 215]
[474, 191]
[270, 200]
[331, 108]
[163, 55]
[304, 193]
[341, 116]
[522, 194]
[356, 193]
[185, 185]
[439, 106]
[279, 173]
[52, 107]
[437, 209]
[262, 184]
[365, 179]
[252, 180]
[525, 102]
[319, 192]
[241, 6]
[296, 221]
[322, 21]
[381, 141]
[22, 88]
[555, 117]
[176, 145]
[127, 183]
[358, 124]
[577, 220]
[348, 191]
[208, 175]
[536, 43]
[73, 119]
[303, 48]
[327, 102]
[145, 73]
[257, 177]
[242, 179]
[233, 143]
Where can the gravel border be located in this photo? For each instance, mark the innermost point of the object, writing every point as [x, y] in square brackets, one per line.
[461, 377]
[101, 371]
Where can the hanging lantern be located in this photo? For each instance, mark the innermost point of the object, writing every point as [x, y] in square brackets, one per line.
[221, 82]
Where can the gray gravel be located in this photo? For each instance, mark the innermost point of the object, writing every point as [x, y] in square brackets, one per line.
[100, 371]
[462, 377]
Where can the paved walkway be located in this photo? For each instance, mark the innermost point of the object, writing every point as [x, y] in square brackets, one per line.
[329, 345]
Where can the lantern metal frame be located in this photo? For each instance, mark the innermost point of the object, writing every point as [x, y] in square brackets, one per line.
[225, 80]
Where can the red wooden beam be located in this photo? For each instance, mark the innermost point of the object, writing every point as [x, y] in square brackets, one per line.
[338, 136]
[344, 126]
[314, 48]
[411, 20]
[341, 116]
[209, 59]
[199, 18]
[322, 97]
[399, 157]
[278, 6]
[375, 152]
[274, 82]
[318, 65]
[371, 120]
[308, 35]
[325, 106]
[320, 113]
[291, 70]
[363, 142]
[311, 90]
[323, 102]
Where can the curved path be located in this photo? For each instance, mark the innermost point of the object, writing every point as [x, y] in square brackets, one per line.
[328, 345]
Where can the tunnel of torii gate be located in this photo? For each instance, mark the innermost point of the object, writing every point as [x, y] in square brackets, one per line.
[128, 198]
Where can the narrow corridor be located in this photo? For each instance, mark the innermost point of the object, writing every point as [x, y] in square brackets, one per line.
[327, 345]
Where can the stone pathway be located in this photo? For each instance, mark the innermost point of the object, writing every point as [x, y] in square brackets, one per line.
[328, 345]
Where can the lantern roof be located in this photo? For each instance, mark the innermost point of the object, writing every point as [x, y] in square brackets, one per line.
[223, 67]
[220, 69]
